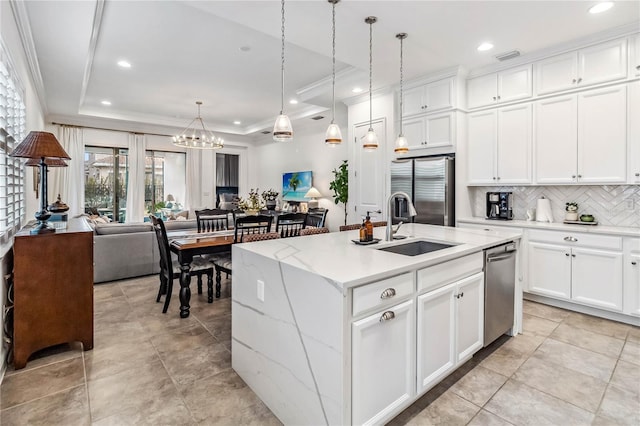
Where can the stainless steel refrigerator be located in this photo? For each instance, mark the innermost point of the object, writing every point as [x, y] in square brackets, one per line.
[430, 181]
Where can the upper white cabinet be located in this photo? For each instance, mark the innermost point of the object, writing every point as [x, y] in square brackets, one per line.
[430, 131]
[503, 86]
[582, 138]
[592, 65]
[428, 98]
[633, 135]
[634, 61]
[499, 146]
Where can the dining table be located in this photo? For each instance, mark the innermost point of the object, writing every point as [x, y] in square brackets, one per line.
[186, 245]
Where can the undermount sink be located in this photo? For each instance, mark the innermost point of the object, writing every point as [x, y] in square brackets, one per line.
[416, 248]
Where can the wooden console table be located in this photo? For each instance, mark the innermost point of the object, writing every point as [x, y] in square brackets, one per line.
[53, 289]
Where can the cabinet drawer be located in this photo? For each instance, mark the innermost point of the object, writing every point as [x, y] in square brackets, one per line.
[444, 273]
[576, 239]
[382, 293]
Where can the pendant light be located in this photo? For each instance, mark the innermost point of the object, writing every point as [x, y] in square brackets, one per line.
[282, 130]
[334, 135]
[370, 140]
[402, 145]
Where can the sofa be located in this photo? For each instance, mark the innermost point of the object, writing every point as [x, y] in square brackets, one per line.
[125, 250]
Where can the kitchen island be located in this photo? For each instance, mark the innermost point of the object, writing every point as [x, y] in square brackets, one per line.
[329, 332]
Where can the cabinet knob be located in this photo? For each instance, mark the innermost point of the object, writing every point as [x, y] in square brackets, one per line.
[573, 255]
[498, 177]
[388, 293]
[421, 106]
[634, 263]
[571, 239]
[494, 178]
[579, 80]
[494, 98]
[426, 107]
[579, 176]
[567, 254]
[637, 174]
[387, 316]
[573, 176]
[498, 97]
[638, 67]
[574, 81]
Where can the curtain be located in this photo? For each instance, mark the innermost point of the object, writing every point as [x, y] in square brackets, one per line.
[193, 190]
[69, 181]
[135, 181]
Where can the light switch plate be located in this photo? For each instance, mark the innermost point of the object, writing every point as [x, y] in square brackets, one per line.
[260, 290]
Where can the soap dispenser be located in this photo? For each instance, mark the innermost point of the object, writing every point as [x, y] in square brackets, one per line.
[363, 232]
[369, 227]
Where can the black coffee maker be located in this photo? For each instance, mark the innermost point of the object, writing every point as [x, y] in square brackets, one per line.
[499, 205]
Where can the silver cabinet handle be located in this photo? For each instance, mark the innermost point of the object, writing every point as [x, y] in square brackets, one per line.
[498, 177]
[426, 107]
[638, 67]
[498, 97]
[494, 178]
[573, 176]
[567, 254]
[572, 239]
[388, 293]
[637, 174]
[634, 263]
[573, 255]
[579, 80]
[574, 81]
[458, 296]
[579, 176]
[494, 98]
[421, 106]
[387, 316]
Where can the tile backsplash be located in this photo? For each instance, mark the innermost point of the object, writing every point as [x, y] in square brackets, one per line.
[616, 205]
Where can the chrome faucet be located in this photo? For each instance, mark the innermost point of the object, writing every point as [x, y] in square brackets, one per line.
[412, 212]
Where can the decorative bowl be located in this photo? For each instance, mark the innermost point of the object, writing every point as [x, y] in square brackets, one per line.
[587, 218]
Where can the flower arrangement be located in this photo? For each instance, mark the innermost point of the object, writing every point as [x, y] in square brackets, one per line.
[269, 195]
[252, 202]
[572, 207]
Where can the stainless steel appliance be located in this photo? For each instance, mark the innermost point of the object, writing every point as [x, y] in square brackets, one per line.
[430, 181]
[500, 205]
[499, 290]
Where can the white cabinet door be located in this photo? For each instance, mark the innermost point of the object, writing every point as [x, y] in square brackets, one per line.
[514, 144]
[383, 363]
[596, 278]
[436, 336]
[413, 101]
[415, 131]
[440, 129]
[550, 270]
[602, 62]
[557, 73]
[369, 171]
[482, 91]
[602, 135]
[632, 284]
[481, 146]
[633, 129]
[634, 63]
[514, 84]
[439, 95]
[469, 316]
[555, 140]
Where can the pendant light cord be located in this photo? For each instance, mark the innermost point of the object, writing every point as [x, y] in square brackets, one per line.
[370, 74]
[333, 72]
[401, 78]
[282, 58]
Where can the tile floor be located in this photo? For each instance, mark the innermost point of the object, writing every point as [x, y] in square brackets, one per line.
[150, 368]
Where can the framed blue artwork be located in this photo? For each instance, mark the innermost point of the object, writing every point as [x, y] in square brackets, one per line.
[295, 185]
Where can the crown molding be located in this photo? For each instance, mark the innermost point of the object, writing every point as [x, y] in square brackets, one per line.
[365, 96]
[319, 87]
[93, 42]
[21, 18]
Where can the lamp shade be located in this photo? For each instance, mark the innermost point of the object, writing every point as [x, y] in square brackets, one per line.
[370, 140]
[170, 197]
[402, 146]
[282, 130]
[38, 145]
[50, 162]
[333, 136]
[312, 193]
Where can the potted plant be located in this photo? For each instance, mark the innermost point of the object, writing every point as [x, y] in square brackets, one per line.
[572, 211]
[269, 198]
[252, 204]
[340, 186]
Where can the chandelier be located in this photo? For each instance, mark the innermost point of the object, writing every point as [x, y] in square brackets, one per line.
[198, 136]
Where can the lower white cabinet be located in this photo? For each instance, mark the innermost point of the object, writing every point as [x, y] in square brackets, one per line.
[450, 328]
[383, 363]
[596, 278]
[632, 277]
[550, 270]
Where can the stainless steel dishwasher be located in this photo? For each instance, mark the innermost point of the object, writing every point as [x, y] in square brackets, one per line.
[499, 290]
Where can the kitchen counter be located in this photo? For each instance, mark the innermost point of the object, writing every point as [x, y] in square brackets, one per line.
[558, 226]
[296, 330]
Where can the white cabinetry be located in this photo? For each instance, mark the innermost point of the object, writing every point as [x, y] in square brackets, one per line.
[634, 62]
[430, 131]
[428, 98]
[499, 146]
[383, 362]
[633, 128]
[583, 268]
[581, 138]
[503, 86]
[592, 65]
[632, 277]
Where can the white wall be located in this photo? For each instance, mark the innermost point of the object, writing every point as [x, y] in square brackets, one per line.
[269, 160]
[35, 121]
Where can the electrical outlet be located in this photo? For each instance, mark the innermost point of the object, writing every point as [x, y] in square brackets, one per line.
[260, 290]
[630, 204]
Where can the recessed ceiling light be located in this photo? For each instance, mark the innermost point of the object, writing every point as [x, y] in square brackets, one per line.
[601, 7]
[105, 103]
[124, 64]
[485, 46]
[293, 101]
[237, 122]
[357, 90]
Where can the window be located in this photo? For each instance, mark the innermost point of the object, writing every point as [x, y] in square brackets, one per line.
[105, 181]
[164, 181]
[227, 175]
[12, 132]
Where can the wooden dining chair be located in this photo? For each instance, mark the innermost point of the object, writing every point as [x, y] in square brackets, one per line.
[316, 217]
[314, 231]
[211, 220]
[261, 237]
[170, 270]
[290, 224]
[350, 227]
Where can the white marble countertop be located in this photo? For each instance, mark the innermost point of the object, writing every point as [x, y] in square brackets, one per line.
[335, 257]
[559, 226]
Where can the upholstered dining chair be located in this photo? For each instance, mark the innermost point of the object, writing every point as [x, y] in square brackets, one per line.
[313, 231]
[350, 227]
[379, 223]
[169, 269]
[261, 237]
[244, 227]
[211, 220]
[290, 224]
